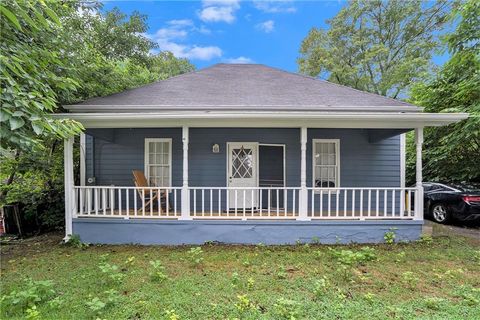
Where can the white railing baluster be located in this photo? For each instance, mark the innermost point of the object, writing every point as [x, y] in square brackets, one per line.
[285, 202]
[175, 213]
[268, 207]
[345, 198]
[369, 202]
[203, 202]
[337, 200]
[143, 201]
[81, 200]
[96, 201]
[402, 203]
[329, 203]
[219, 202]
[393, 203]
[353, 203]
[385, 198]
[244, 202]
[293, 202]
[236, 201]
[127, 198]
[119, 202]
[261, 202]
[211, 202]
[278, 203]
[167, 202]
[312, 200]
[361, 203]
[194, 202]
[377, 203]
[253, 201]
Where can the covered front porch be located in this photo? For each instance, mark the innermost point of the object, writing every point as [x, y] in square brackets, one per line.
[244, 173]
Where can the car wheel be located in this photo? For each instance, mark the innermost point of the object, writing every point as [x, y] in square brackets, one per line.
[440, 213]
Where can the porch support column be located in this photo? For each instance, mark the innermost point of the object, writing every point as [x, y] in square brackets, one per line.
[419, 177]
[303, 195]
[185, 192]
[69, 186]
[82, 159]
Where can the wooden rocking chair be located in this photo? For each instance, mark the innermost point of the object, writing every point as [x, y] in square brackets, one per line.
[148, 196]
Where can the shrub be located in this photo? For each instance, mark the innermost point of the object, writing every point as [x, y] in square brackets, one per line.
[389, 236]
[195, 255]
[34, 293]
[76, 242]
[287, 309]
[158, 271]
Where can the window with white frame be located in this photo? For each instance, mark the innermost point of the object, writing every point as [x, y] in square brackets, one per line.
[158, 162]
[326, 163]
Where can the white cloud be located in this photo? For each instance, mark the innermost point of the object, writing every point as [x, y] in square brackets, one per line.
[169, 38]
[266, 26]
[219, 11]
[241, 60]
[275, 6]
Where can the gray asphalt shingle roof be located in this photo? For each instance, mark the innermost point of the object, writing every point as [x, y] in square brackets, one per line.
[235, 87]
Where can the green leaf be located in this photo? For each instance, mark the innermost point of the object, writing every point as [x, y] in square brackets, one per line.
[37, 128]
[52, 15]
[16, 123]
[10, 16]
[4, 116]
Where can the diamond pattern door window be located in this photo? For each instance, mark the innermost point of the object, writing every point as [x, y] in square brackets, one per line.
[242, 163]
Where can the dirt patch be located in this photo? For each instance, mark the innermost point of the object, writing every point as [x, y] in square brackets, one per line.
[11, 248]
[468, 231]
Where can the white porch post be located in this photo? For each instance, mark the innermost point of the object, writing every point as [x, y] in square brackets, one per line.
[185, 192]
[69, 184]
[419, 178]
[303, 195]
[82, 159]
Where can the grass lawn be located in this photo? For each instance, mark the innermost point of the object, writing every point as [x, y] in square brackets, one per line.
[425, 280]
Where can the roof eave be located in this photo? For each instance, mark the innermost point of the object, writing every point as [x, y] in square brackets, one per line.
[266, 119]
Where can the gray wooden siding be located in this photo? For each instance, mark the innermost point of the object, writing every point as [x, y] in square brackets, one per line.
[119, 151]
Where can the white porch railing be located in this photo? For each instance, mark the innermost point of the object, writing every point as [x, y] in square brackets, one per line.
[246, 203]
[361, 203]
[127, 202]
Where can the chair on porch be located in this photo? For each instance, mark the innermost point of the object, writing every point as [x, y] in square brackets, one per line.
[148, 196]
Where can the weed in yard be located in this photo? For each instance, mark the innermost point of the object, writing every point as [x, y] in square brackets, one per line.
[195, 256]
[410, 279]
[32, 313]
[171, 315]
[315, 240]
[158, 271]
[390, 236]
[282, 273]
[235, 279]
[287, 309]
[426, 238]
[34, 293]
[434, 303]
[112, 271]
[370, 297]
[97, 306]
[246, 263]
[320, 287]
[244, 304]
[476, 256]
[75, 241]
[130, 261]
[399, 257]
[250, 283]
[351, 258]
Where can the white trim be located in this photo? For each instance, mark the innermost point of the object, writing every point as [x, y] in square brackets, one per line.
[313, 119]
[337, 160]
[402, 159]
[83, 153]
[69, 186]
[147, 158]
[284, 147]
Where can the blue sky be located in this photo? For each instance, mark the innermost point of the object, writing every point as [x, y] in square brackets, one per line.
[212, 31]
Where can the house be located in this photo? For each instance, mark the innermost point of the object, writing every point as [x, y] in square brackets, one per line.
[245, 154]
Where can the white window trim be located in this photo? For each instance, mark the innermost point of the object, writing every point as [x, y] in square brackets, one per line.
[337, 160]
[146, 157]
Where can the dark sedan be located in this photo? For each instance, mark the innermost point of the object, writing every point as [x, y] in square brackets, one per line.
[447, 202]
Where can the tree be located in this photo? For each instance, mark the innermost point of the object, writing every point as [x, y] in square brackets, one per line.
[58, 54]
[376, 46]
[452, 152]
[29, 84]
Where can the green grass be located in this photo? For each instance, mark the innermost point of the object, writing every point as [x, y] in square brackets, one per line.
[438, 280]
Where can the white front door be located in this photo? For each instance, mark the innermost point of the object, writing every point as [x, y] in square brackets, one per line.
[242, 172]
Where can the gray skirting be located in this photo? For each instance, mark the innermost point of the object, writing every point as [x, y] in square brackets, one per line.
[174, 232]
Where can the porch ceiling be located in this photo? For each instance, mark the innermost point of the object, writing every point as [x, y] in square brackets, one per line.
[370, 120]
